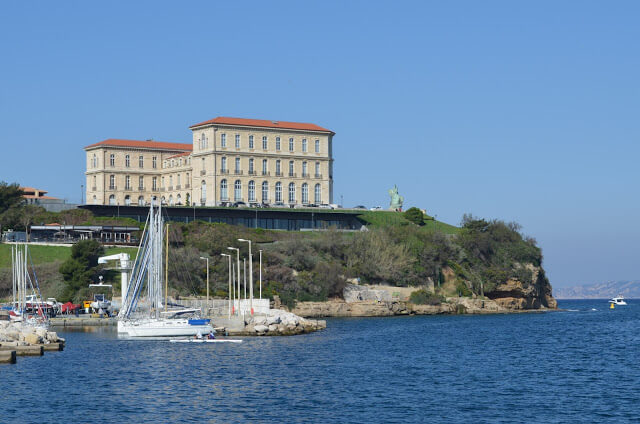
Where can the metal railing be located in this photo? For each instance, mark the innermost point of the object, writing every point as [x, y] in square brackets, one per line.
[318, 175]
[305, 175]
[238, 172]
[293, 174]
[266, 173]
[224, 171]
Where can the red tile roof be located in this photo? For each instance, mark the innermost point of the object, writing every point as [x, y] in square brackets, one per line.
[157, 145]
[32, 190]
[179, 155]
[262, 123]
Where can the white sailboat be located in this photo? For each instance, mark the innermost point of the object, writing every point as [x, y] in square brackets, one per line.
[27, 308]
[147, 317]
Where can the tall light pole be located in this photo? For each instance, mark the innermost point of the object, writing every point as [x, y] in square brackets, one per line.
[260, 274]
[207, 259]
[250, 275]
[238, 273]
[229, 256]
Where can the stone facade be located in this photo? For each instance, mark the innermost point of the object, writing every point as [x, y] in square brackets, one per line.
[229, 160]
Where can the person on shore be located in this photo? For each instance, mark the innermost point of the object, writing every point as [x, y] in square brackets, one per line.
[211, 336]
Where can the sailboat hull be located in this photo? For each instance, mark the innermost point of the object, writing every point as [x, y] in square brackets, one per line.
[162, 328]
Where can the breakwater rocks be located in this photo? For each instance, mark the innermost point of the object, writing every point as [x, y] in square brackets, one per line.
[18, 339]
[277, 322]
[372, 308]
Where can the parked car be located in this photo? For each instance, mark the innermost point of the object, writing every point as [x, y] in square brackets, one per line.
[376, 208]
[279, 205]
[325, 206]
[239, 205]
[360, 207]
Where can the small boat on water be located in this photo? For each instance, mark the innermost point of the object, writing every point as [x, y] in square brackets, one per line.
[618, 300]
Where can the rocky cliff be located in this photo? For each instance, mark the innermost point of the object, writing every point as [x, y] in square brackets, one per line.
[516, 295]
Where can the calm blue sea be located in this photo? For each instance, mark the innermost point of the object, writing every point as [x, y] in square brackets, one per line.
[581, 365]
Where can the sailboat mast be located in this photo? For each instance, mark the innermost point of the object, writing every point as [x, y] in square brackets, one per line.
[166, 271]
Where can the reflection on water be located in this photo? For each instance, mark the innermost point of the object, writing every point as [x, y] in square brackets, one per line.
[549, 367]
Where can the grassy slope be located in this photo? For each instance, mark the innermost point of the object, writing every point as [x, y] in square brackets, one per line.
[390, 218]
[46, 254]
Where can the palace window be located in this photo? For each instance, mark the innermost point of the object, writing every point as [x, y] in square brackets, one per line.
[154, 162]
[224, 195]
[127, 183]
[141, 161]
[252, 191]
[264, 167]
[317, 146]
[223, 164]
[305, 193]
[112, 182]
[162, 181]
[154, 183]
[126, 161]
[291, 168]
[317, 169]
[304, 145]
[251, 142]
[141, 183]
[112, 199]
[112, 160]
[94, 161]
[278, 192]
[304, 169]
[264, 142]
[223, 140]
[278, 167]
[278, 143]
[251, 166]
[140, 201]
[237, 141]
[203, 142]
[292, 193]
[127, 200]
[203, 192]
[265, 192]
[237, 165]
[317, 195]
[237, 191]
[291, 144]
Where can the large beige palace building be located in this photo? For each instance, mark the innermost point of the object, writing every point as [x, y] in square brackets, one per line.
[230, 160]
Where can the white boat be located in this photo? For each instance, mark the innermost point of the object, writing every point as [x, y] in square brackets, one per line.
[618, 300]
[148, 317]
[26, 308]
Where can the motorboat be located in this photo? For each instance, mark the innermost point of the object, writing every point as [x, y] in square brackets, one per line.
[205, 341]
[618, 300]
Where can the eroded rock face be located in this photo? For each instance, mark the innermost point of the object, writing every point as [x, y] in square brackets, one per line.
[515, 295]
[20, 334]
[278, 322]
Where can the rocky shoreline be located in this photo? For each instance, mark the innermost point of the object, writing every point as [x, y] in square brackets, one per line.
[376, 308]
[18, 339]
[278, 322]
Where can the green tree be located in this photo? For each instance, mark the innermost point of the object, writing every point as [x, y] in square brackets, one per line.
[81, 268]
[10, 195]
[414, 215]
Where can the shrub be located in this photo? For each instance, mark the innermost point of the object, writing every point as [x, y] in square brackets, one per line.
[414, 215]
[423, 297]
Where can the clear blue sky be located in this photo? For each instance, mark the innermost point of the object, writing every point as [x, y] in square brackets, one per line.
[524, 111]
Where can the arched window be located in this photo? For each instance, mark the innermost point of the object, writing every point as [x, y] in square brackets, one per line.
[127, 161]
[305, 193]
[265, 192]
[171, 200]
[223, 164]
[304, 144]
[112, 160]
[112, 182]
[188, 199]
[95, 200]
[252, 191]
[127, 200]
[140, 201]
[237, 191]
[178, 200]
[163, 200]
[203, 192]
[292, 193]
[317, 194]
[278, 192]
[112, 199]
[224, 195]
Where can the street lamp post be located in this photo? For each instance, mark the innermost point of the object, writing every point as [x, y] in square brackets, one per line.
[250, 275]
[260, 274]
[207, 259]
[238, 273]
[229, 256]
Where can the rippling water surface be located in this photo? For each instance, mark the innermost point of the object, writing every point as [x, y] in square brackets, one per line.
[576, 366]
